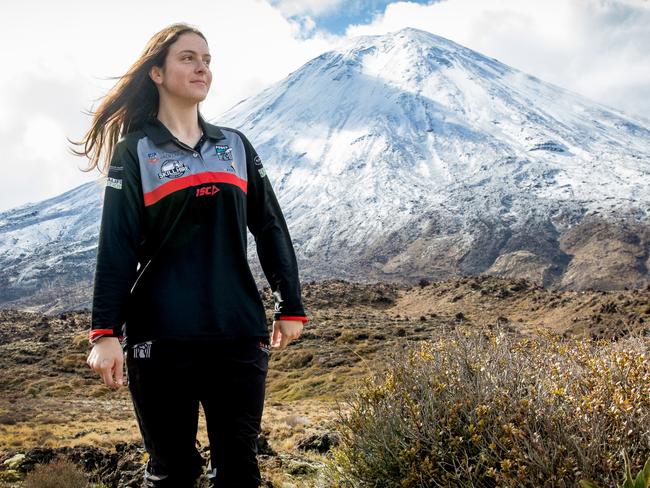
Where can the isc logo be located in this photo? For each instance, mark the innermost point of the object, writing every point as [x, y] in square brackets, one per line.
[207, 190]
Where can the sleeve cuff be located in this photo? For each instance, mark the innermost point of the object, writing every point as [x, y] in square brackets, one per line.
[95, 334]
[302, 318]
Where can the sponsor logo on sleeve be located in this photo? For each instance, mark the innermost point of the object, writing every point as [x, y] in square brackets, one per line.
[277, 298]
[172, 168]
[262, 172]
[114, 182]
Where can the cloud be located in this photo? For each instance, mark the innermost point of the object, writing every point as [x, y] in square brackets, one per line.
[597, 48]
[291, 8]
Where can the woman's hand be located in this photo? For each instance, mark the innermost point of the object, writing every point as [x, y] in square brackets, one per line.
[107, 358]
[284, 331]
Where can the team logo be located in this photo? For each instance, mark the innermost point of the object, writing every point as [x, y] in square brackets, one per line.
[172, 168]
[264, 347]
[224, 152]
[153, 157]
[262, 172]
[142, 350]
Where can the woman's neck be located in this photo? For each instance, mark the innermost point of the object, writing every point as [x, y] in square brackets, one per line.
[183, 123]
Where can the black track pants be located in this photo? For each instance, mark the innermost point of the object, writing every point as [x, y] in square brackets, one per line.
[168, 380]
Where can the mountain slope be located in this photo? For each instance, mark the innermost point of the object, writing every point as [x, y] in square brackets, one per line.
[410, 155]
[48, 250]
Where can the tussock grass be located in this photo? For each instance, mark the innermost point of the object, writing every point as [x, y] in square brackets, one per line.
[58, 473]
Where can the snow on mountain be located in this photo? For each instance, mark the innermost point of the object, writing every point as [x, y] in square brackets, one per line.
[404, 156]
[409, 154]
[48, 249]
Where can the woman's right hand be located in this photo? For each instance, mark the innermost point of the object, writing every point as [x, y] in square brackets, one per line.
[107, 358]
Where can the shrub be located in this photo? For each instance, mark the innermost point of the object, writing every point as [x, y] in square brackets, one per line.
[58, 473]
[642, 479]
[482, 408]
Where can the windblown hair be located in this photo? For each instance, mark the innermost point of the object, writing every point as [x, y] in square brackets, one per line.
[132, 100]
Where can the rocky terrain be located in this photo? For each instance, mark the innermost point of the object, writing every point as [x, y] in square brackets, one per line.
[51, 402]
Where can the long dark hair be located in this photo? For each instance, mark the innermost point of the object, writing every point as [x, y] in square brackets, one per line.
[132, 100]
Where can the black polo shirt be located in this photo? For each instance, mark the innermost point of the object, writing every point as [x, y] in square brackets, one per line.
[172, 254]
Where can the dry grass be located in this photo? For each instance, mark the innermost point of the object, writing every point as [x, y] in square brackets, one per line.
[59, 473]
[483, 408]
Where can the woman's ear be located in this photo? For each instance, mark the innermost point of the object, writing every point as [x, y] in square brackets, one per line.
[155, 73]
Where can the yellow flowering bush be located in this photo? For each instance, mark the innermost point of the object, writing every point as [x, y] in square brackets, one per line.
[487, 408]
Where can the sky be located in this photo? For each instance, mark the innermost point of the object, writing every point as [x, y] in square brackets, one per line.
[58, 58]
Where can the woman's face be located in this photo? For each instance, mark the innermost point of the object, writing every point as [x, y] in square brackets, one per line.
[186, 74]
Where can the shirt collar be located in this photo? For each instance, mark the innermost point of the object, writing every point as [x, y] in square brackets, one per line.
[159, 134]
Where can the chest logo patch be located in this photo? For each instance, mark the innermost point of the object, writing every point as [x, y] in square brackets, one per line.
[224, 152]
[172, 168]
[153, 158]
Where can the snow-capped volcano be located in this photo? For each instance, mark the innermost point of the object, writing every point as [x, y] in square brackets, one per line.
[405, 156]
[408, 154]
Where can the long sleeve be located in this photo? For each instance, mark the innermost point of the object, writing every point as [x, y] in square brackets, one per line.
[119, 236]
[274, 247]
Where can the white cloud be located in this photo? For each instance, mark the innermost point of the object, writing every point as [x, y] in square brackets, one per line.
[597, 48]
[307, 7]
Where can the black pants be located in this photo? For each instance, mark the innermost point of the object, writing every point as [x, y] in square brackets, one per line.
[168, 380]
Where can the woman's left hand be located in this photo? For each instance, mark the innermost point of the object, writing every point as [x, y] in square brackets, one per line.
[284, 331]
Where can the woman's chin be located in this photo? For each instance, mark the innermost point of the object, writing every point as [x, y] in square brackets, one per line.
[194, 98]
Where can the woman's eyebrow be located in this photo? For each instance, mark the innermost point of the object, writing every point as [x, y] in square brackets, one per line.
[193, 52]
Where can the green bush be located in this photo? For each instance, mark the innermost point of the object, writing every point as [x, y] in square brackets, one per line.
[484, 408]
[58, 473]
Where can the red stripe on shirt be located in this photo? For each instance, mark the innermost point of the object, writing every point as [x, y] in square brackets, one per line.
[186, 181]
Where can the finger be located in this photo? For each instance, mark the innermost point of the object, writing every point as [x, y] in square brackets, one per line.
[107, 373]
[106, 377]
[277, 336]
[119, 372]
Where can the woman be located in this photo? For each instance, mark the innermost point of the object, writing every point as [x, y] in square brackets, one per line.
[172, 267]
